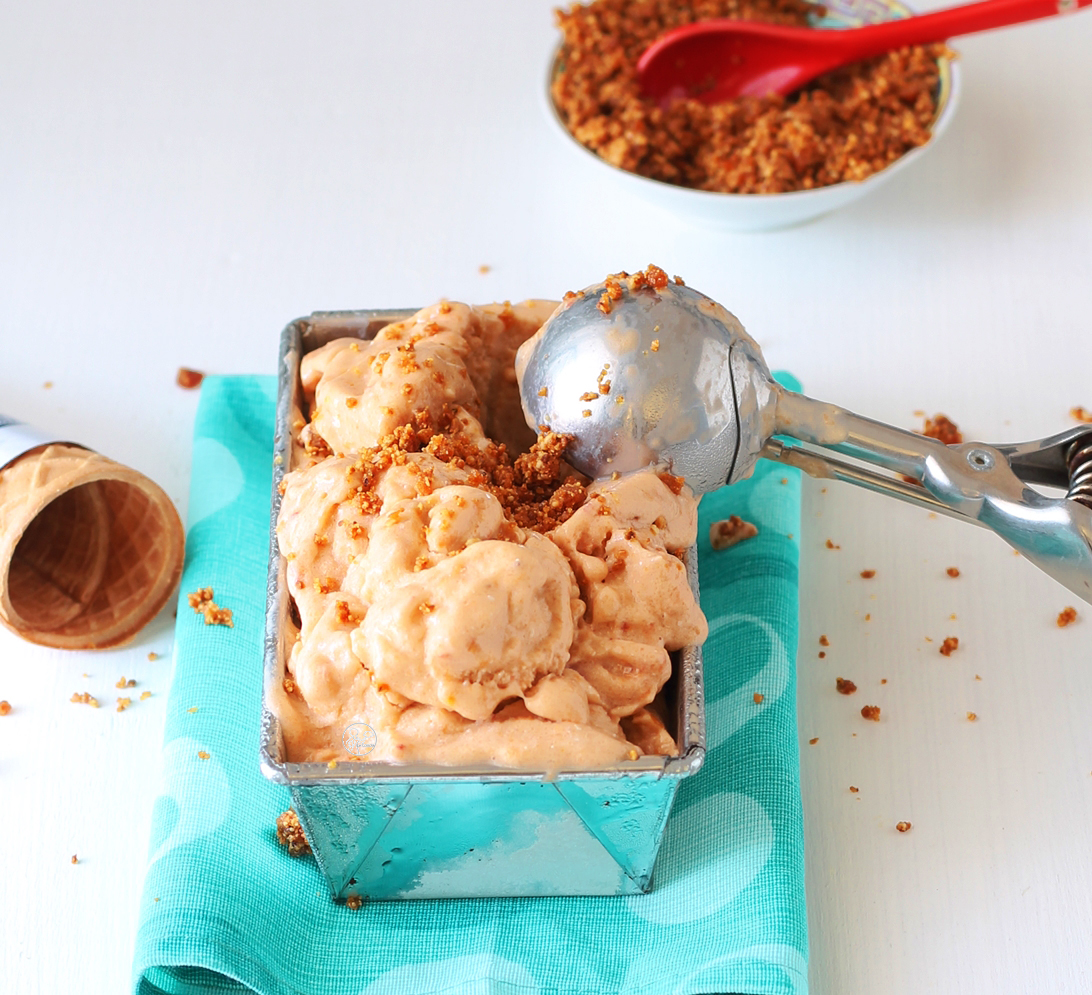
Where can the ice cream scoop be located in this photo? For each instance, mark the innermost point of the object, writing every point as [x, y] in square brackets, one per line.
[643, 374]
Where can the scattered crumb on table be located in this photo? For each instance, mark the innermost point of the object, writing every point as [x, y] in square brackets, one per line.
[1066, 616]
[868, 574]
[902, 827]
[972, 716]
[943, 429]
[871, 712]
[854, 788]
[153, 656]
[5, 708]
[75, 858]
[203, 754]
[144, 695]
[813, 740]
[952, 571]
[124, 703]
[824, 641]
[949, 646]
[354, 902]
[84, 699]
[759, 698]
[123, 683]
[1081, 414]
[844, 685]
[188, 378]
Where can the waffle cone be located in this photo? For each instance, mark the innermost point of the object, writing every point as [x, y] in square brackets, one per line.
[90, 550]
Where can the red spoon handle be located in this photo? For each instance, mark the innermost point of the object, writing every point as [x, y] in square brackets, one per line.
[941, 25]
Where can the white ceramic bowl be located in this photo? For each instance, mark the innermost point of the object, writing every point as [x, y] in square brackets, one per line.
[766, 212]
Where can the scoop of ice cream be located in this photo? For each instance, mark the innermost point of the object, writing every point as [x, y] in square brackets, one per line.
[363, 392]
[320, 531]
[474, 629]
[622, 546]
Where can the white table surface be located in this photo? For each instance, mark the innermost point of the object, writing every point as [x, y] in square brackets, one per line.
[178, 181]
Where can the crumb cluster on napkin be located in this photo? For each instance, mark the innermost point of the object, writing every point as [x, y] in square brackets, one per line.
[226, 909]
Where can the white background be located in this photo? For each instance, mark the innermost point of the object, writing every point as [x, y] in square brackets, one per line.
[178, 181]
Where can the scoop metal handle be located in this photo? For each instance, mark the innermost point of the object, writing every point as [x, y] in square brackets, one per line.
[973, 481]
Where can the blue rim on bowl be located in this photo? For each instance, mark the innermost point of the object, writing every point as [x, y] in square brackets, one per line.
[771, 211]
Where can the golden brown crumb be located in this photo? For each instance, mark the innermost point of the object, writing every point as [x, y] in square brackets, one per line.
[75, 858]
[1066, 616]
[123, 683]
[883, 680]
[5, 708]
[871, 712]
[831, 544]
[868, 574]
[48, 384]
[759, 698]
[1081, 414]
[730, 531]
[124, 703]
[201, 602]
[977, 677]
[289, 685]
[943, 429]
[845, 125]
[192, 710]
[972, 717]
[868, 617]
[844, 685]
[854, 788]
[344, 615]
[290, 834]
[354, 902]
[902, 827]
[145, 695]
[152, 657]
[483, 269]
[655, 345]
[84, 699]
[949, 646]
[813, 740]
[543, 391]
[822, 654]
[331, 765]
[203, 754]
[952, 571]
[823, 641]
[189, 378]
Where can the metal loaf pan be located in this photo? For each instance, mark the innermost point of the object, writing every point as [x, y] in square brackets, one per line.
[389, 831]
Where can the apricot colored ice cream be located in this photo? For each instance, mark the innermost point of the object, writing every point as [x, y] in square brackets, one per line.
[457, 587]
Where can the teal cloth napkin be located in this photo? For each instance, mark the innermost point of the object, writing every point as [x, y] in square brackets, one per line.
[225, 909]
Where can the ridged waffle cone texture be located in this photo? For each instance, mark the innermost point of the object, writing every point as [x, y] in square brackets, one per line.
[90, 550]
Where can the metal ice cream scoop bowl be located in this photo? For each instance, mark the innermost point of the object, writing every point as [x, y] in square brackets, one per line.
[666, 376]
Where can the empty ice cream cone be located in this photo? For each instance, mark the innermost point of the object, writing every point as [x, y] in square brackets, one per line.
[90, 550]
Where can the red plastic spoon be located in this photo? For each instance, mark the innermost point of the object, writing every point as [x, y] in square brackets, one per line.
[717, 60]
